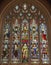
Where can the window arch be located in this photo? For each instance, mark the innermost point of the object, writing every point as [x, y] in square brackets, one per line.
[24, 35]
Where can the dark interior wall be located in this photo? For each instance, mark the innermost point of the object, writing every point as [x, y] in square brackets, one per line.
[49, 1]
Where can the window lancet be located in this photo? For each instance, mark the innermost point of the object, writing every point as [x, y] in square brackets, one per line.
[16, 42]
[5, 43]
[34, 41]
[44, 43]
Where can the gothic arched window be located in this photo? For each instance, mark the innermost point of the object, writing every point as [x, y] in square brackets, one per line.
[24, 35]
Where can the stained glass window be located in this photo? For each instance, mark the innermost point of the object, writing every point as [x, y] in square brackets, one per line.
[24, 37]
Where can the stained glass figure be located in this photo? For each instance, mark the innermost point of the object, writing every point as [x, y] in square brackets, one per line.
[6, 32]
[34, 49]
[5, 45]
[25, 40]
[44, 43]
[16, 42]
[5, 54]
[25, 53]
